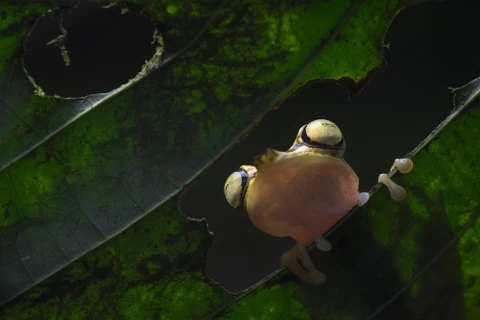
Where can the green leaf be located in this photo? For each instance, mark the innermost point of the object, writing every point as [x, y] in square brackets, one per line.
[153, 267]
[76, 172]
[417, 258]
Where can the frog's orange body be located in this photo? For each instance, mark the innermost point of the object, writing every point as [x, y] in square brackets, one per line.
[302, 197]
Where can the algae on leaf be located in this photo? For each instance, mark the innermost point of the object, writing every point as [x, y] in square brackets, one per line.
[413, 259]
[153, 270]
[76, 172]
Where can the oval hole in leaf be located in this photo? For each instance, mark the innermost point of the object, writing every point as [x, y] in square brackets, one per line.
[389, 118]
[88, 49]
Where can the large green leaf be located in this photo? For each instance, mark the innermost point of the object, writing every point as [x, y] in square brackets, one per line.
[382, 254]
[154, 269]
[76, 172]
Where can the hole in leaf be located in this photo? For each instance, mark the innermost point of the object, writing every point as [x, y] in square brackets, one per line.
[389, 118]
[88, 49]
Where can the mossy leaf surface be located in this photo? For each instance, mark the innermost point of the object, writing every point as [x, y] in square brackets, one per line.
[76, 172]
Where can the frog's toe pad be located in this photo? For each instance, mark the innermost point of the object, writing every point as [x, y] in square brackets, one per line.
[363, 198]
[404, 165]
[323, 244]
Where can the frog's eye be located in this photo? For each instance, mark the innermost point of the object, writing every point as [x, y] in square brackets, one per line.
[236, 186]
[323, 134]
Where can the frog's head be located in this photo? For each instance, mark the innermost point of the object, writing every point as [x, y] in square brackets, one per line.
[236, 186]
[320, 136]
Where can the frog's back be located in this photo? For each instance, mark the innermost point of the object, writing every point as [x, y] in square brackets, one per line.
[302, 196]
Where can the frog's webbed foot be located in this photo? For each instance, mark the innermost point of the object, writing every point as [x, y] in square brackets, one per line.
[397, 192]
[305, 271]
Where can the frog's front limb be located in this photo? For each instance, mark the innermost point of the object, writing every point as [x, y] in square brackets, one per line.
[307, 273]
[398, 193]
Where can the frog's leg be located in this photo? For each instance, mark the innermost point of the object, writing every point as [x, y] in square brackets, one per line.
[307, 273]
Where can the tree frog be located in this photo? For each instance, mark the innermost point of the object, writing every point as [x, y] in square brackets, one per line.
[303, 192]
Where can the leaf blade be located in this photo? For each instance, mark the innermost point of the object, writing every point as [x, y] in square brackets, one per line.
[111, 167]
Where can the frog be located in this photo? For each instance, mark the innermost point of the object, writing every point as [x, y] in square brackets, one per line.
[303, 192]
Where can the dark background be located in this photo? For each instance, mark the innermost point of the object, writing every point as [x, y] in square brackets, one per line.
[433, 46]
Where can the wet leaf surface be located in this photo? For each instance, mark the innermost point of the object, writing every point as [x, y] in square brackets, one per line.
[76, 172]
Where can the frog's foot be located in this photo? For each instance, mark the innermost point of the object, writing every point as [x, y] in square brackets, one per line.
[363, 198]
[397, 192]
[306, 270]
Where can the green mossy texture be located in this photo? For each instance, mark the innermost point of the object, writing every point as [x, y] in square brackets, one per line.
[445, 203]
[151, 271]
[123, 158]
[344, 58]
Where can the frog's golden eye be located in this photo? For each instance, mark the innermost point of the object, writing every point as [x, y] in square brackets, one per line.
[323, 134]
[236, 186]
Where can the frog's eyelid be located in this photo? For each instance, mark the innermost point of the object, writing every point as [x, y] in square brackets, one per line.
[234, 189]
[245, 180]
[306, 139]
